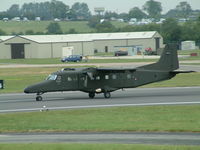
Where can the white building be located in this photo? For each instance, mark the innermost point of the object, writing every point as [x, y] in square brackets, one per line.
[52, 46]
[188, 45]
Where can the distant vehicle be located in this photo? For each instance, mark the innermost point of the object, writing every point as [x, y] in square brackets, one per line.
[149, 51]
[37, 19]
[57, 20]
[25, 19]
[5, 19]
[121, 53]
[105, 80]
[72, 58]
[16, 19]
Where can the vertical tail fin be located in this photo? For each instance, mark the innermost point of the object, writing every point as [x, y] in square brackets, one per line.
[168, 60]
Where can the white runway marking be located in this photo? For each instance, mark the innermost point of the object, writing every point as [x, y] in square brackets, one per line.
[99, 106]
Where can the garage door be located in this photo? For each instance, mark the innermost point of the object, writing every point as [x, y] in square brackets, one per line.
[17, 51]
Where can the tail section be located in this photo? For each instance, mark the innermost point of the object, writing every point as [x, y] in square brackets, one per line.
[168, 60]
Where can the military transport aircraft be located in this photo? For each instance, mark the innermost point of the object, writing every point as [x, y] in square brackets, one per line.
[105, 80]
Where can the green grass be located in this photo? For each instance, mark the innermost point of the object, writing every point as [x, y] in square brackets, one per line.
[40, 26]
[181, 80]
[31, 61]
[184, 118]
[188, 52]
[57, 61]
[118, 24]
[62, 146]
[198, 64]
[16, 79]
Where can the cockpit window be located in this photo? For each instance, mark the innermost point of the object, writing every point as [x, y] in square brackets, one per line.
[52, 77]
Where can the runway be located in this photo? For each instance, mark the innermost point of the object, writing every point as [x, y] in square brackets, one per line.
[10, 103]
[122, 138]
[78, 100]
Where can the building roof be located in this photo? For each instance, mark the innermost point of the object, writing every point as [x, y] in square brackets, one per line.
[4, 38]
[84, 37]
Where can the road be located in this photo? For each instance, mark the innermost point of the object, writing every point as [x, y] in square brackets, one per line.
[77, 100]
[134, 64]
[123, 138]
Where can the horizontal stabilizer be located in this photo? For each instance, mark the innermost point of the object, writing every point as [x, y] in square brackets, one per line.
[182, 71]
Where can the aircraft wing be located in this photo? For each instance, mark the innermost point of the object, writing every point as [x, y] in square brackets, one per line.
[116, 69]
[91, 71]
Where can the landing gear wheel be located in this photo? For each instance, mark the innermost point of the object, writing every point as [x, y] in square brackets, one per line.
[107, 95]
[91, 95]
[39, 98]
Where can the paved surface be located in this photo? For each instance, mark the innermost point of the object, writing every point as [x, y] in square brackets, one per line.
[128, 138]
[135, 64]
[77, 100]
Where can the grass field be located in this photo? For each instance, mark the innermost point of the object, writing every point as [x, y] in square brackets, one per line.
[77, 146]
[118, 119]
[188, 52]
[40, 26]
[57, 61]
[119, 60]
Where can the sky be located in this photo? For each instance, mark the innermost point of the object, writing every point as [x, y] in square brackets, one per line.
[118, 6]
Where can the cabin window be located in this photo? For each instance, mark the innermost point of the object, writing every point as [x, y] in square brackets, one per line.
[75, 78]
[52, 77]
[58, 79]
[106, 77]
[97, 77]
[114, 76]
[128, 76]
[69, 79]
[82, 78]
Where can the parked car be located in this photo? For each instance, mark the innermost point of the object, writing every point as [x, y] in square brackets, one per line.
[149, 51]
[121, 53]
[72, 58]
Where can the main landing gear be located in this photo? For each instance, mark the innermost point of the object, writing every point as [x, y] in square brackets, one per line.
[106, 95]
[39, 97]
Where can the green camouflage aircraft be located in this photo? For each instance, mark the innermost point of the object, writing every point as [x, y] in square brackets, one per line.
[105, 80]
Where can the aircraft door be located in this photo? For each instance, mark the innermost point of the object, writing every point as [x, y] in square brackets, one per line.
[60, 82]
[82, 81]
[72, 82]
[67, 82]
[125, 79]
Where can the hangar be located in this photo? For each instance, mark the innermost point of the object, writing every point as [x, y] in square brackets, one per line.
[54, 46]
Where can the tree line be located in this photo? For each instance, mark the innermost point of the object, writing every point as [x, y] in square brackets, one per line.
[170, 29]
[48, 11]
[80, 11]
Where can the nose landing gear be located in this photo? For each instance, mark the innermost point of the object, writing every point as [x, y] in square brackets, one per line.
[39, 97]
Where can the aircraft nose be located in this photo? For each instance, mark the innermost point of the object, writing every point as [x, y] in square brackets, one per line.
[26, 90]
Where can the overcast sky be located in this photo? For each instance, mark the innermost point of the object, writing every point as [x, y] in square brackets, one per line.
[110, 5]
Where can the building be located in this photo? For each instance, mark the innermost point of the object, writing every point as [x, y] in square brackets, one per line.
[54, 46]
[188, 45]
